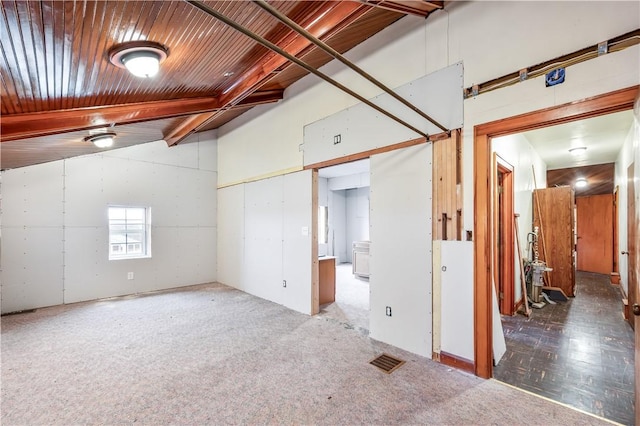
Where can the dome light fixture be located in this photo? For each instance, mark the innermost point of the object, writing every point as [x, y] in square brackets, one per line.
[140, 58]
[580, 150]
[101, 140]
[581, 183]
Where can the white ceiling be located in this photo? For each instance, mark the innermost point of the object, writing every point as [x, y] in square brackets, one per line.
[603, 136]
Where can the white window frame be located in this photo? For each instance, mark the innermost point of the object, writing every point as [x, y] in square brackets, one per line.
[113, 233]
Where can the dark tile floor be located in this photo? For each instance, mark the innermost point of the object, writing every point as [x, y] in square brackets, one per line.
[579, 352]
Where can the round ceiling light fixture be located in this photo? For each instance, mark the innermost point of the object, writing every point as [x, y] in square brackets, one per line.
[101, 140]
[581, 183]
[578, 150]
[140, 58]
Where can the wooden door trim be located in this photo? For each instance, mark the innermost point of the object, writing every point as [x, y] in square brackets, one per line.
[507, 302]
[615, 268]
[616, 101]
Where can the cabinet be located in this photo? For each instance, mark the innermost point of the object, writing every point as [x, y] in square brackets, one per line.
[554, 215]
[360, 265]
[327, 278]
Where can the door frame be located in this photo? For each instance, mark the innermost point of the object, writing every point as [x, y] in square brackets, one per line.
[503, 223]
[616, 101]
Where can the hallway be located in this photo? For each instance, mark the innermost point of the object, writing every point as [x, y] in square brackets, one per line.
[352, 300]
[579, 352]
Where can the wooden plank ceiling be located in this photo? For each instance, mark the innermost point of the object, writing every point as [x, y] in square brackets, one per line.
[58, 83]
[600, 178]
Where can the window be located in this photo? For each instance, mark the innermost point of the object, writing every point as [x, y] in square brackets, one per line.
[129, 235]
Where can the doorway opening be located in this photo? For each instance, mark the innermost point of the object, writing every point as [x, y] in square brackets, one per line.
[575, 349]
[343, 196]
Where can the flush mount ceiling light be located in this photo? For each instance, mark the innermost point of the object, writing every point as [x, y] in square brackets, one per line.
[578, 150]
[101, 140]
[581, 183]
[140, 58]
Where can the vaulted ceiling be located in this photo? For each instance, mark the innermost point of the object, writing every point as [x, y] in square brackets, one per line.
[58, 83]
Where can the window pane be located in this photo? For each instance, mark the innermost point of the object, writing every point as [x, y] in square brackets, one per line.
[128, 229]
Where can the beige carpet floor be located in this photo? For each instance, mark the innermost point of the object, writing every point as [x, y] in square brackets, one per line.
[210, 354]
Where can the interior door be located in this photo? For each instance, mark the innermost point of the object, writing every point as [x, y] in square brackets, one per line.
[632, 235]
[633, 226]
[595, 233]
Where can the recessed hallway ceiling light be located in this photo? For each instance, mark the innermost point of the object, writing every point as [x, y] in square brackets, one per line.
[140, 58]
[578, 150]
[581, 183]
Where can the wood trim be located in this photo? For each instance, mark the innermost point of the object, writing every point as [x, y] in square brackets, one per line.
[506, 272]
[456, 362]
[616, 228]
[483, 318]
[369, 153]
[619, 100]
[22, 126]
[315, 263]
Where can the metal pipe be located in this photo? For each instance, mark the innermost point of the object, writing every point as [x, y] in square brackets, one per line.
[300, 63]
[337, 55]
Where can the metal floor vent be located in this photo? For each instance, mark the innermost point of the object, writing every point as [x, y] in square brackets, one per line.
[387, 363]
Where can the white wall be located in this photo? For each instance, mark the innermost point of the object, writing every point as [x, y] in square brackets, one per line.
[55, 231]
[517, 151]
[400, 250]
[324, 197]
[357, 218]
[338, 225]
[626, 157]
[267, 139]
[265, 237]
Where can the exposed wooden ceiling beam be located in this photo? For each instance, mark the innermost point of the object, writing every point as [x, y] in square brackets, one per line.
[410, 7]
[22, 126]
[327, 21]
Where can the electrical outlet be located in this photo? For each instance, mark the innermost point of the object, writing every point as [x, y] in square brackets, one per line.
[129, 275]
[337, 139]
[284, 283]
[388, 311]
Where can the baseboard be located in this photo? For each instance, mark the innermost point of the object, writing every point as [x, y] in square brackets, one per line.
[457, 362]
[615, 278]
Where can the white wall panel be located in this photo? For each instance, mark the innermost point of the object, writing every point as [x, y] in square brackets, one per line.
[338, 226]
[456, 303]
[362, 128]
[401, 258]
[193, 255]
[297, 241]
[263, 238]
[32, 196]
[183, 234]
[32, 261]
[85, 198]
[182, 155]
[357, 212]
[208, 150]
[230, 241]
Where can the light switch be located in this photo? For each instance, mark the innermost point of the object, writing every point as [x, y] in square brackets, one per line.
[305, 231]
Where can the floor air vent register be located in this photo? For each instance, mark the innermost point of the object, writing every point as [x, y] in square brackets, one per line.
[387, 363]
